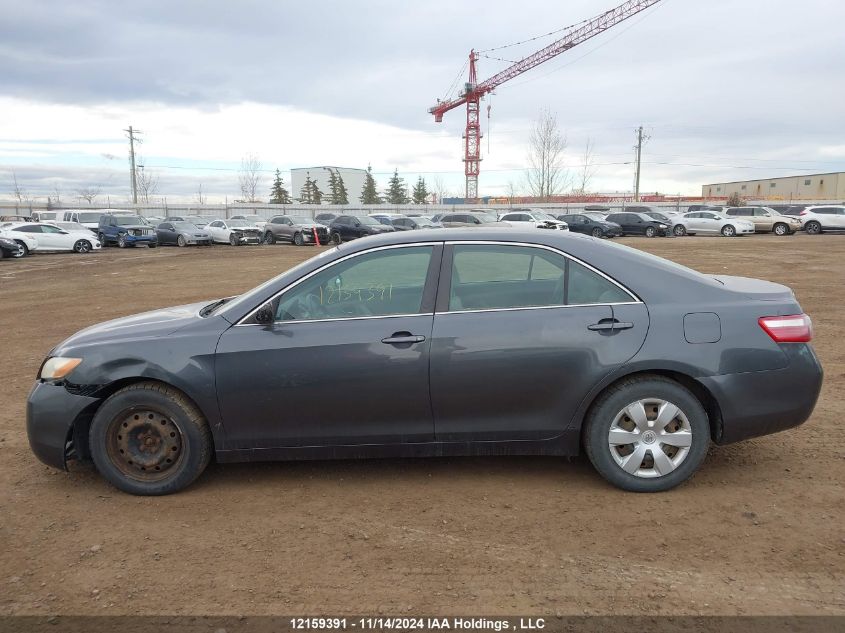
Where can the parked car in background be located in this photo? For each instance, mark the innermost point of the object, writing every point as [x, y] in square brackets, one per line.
[766, 219]
[413, 224]
[52, 238]
[152, 398]
[591, 223]
[257, 220]
[234, 232]
[386, 218]
[126, 230]
[88, 219]
[665, 218]
[15, 218]
[470, 219]
[638, 224]
[10, 248]
[154, 220]
[533, 217]
[597, 208]
[326, 218]
[821, 218]
[182, 234]
[418, 214]
[711, 223]
[297, 230]
[27, 241]
[349, 227]
[42, 216]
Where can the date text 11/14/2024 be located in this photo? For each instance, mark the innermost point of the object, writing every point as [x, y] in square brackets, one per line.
[381, 623]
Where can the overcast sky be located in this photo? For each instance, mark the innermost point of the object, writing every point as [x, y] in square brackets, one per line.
[725, 89]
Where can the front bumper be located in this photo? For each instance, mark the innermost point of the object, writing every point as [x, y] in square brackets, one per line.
[50, 414]
[141, 239]
[763, 402]
[247, 239]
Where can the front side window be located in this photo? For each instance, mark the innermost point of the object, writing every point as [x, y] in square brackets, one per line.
[379, 283]
[489, 277]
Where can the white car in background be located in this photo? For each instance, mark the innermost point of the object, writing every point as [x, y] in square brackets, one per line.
[53, 238]
[820, 218]
[535, 218]
[711, 223]
[257, 220]
[86, 219]
[234, 231]
[28, 242]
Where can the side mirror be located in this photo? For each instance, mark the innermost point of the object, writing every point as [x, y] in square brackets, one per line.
[357, 223]
[265, 314]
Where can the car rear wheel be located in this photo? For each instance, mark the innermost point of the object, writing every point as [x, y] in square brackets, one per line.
[780, 229]
[82, 246]
[149, 439]
[269, 238]
[650, 231]
[297, 239]
[180, 241]
[597, 232]
[336, 238]
[728, 230]
[813, 227]
[680, 230]
[647, 434]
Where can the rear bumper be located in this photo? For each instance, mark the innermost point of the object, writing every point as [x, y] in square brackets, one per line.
[50, 413]
[764, 402]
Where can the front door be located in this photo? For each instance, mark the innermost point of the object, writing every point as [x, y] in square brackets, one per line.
[520, 336]
[345, 362]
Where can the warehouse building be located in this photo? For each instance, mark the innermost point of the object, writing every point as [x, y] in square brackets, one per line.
[353, 179]
[830, 186]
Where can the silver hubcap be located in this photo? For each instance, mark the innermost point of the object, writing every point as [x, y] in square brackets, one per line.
[650, 438]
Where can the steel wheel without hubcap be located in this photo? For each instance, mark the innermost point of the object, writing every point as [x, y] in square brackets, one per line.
[728, 230]
[82, 246]
[144, 445]
[650, 438]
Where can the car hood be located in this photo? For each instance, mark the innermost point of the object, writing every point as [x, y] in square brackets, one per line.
[155, 323]
[309, 225]
[134, 226]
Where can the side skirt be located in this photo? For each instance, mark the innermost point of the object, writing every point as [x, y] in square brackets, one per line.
[565, 445]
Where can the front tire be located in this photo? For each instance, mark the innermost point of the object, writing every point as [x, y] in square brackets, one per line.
[336, 239]
[180, 241]
[233, 241]
[269, 238]
[728, 230]
[813, 228]
[647, 434]
[102, 238]
[297, 239]
[650, 231]
[121, 241]
[780, 229]
[597, 232]
[82, 246]
[149, 439]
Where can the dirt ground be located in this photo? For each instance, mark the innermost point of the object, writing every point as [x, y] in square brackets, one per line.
[759, 530]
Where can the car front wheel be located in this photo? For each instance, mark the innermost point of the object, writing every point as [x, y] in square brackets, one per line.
[336, 239]
[149, 439]
[297, 239]
[180, 241]
[102, 238]
[269, 238]
[121, 241]
[728, 230]
[647, 434]
[597, 232]
[82, 246]
[650, 231]
[781, 229]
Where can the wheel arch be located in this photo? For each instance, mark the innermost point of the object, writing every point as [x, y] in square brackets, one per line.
[702, 394]
[78, 432]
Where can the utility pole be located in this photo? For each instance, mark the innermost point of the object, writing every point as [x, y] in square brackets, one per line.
[132, 173]
[639, 158]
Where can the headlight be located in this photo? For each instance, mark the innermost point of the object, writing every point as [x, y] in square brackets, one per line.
[58, 367]
[663, 226]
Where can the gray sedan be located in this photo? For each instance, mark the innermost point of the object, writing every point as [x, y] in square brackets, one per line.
[431, 343]
[182, 234]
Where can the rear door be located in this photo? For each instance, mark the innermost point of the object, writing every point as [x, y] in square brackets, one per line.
[521, 334]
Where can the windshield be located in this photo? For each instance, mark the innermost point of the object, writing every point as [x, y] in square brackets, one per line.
[238, 223]
[301, 220]
[184, 226]
[128, 220]
[93, 218]
[657, 216]
[71, 226]
[545, 217]
[485, 218]
[365, 219]
[598, 217]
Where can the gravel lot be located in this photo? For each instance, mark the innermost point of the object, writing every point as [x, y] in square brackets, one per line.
[758, 531]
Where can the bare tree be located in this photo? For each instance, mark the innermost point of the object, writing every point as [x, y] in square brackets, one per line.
[439, 189]
[57, 193]
[511, 191]
[18, 190]
[546, 176]
[146, 181]
[249, 177]
[586, 171]
[89, 194]
[200, 196]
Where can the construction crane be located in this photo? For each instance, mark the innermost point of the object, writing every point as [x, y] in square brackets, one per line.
[474, 91]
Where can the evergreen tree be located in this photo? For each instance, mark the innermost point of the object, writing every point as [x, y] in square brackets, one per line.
[333, 193]
[420, 193]
[342, 193]
[369, 194]
[278, 193]
[316, 194]
[306, 194]
[396, 192]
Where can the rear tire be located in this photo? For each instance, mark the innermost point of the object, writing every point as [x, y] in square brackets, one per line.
[813, 227]
[661, 409]
[728, 230]
[680, 230]
[149, 439]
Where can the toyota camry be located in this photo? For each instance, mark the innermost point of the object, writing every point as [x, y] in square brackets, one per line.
[448, 342]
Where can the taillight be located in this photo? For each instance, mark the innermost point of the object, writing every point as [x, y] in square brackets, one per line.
[803, 213]
[796, 328]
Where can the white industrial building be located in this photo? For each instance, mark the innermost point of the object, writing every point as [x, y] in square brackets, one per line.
[353, 179]
[829, 186]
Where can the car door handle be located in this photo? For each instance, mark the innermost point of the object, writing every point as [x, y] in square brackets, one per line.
[400, 338]
[609, 324]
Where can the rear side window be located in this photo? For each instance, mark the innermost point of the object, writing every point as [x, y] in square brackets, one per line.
[489, 277]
